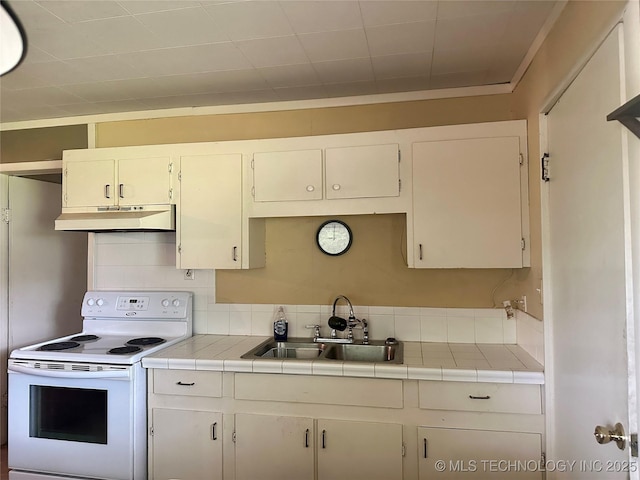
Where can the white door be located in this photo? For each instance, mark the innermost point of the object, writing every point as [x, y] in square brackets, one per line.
[44, 271]
[588, 275]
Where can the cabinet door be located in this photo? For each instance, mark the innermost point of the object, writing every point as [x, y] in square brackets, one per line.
[270, 447]
[362, 172]
[90, 183]
[359, 450]
[209, 213]
[447, 453]
[186, 445]
[467, 204]
[144, 181]
[282, 176]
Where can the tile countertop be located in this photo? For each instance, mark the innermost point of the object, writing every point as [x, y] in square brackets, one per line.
[458, 362]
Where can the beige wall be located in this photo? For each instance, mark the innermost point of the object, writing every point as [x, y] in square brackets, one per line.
[297, 123]
[38, 144]
[374, 271]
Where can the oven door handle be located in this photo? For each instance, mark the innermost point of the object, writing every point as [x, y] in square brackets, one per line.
[67, 374]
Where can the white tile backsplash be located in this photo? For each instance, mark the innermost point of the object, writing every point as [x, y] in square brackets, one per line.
[146, 260]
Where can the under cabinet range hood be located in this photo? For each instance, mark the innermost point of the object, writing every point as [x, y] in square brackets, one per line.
[110, 219]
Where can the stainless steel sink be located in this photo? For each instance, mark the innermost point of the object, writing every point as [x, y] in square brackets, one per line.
[304, 349]
[373, 352]
[300, 348]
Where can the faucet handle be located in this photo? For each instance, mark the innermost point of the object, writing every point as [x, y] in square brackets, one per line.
[316, 330]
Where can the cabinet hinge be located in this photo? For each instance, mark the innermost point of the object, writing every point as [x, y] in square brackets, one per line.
[170, 167]
[404, 449]
[171, 194]
[543, 458]
[633, 444]
[65, 172]
[399, 185]
[179, 176]
[544, 167]
[523, 244]
[233, 437]
[151, 431]
[6, 215]
[253, 192]
[180, 248]
[399, 156]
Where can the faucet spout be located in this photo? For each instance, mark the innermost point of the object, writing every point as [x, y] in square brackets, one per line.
[352, 316]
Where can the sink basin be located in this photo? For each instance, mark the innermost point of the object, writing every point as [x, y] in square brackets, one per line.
[304, 349]
[293, 348]
[374, 352]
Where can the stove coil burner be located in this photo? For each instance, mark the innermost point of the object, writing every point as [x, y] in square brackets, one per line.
[146, 341]
[84, 338]
[124, 350]
[51, 347]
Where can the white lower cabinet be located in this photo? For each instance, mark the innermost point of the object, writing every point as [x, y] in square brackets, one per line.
[359, 450]
[186, 445]
[448, 453]
[272, 447]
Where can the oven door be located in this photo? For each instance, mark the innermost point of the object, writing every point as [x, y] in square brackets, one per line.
[66, 421]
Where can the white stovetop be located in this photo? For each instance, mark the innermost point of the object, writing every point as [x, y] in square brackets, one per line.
[462, 362]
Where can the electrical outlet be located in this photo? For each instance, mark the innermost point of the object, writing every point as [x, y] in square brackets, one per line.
[189, 274]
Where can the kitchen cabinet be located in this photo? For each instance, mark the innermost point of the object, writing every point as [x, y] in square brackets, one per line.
[270, 447]
[287, 176]
[92, 181]
[186, 445]
[448, 453]
[359, 450]
[209, 223]
[365, 171]
[273, 447]
[467, 203]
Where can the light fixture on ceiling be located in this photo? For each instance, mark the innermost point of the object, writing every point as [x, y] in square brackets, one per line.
[13, 42]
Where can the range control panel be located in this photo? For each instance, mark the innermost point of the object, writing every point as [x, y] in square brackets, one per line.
[138, 305]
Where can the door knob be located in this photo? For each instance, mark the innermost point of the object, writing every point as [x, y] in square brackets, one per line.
[605, 435]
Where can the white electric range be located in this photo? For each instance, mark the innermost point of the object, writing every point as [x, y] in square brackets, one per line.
[77, 404]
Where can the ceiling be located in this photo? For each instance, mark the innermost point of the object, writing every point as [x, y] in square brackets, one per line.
[88, 57]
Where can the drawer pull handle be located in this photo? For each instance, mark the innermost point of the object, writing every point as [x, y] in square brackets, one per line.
[182, 384]
[107, 189]
[306, 438]
[483, 397]
[121, 190]
[214, 433]
[424, 443]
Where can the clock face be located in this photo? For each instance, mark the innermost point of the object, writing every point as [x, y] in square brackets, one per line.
[334, 237]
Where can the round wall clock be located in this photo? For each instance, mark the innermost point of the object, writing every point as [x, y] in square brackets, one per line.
[334, 237]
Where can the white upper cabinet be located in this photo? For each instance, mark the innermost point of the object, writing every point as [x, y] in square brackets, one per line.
[285, 176]
[91, 181]
[209, 232]
[366, 171]
[468, 203]
[362, 172]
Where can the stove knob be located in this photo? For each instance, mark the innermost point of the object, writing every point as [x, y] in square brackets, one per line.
[176, 302]
[100, 302]
[165, 303]
[91, 302]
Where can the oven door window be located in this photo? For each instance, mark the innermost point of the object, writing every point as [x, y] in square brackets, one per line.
[74, 414]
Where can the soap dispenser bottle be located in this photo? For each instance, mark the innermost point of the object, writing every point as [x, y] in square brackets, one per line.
[280, 326]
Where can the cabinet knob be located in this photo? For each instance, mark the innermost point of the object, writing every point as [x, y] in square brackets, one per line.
[310, 188]
[336, 186]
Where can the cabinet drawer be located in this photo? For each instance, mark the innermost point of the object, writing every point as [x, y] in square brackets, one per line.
[480, 397]
[187, 382]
